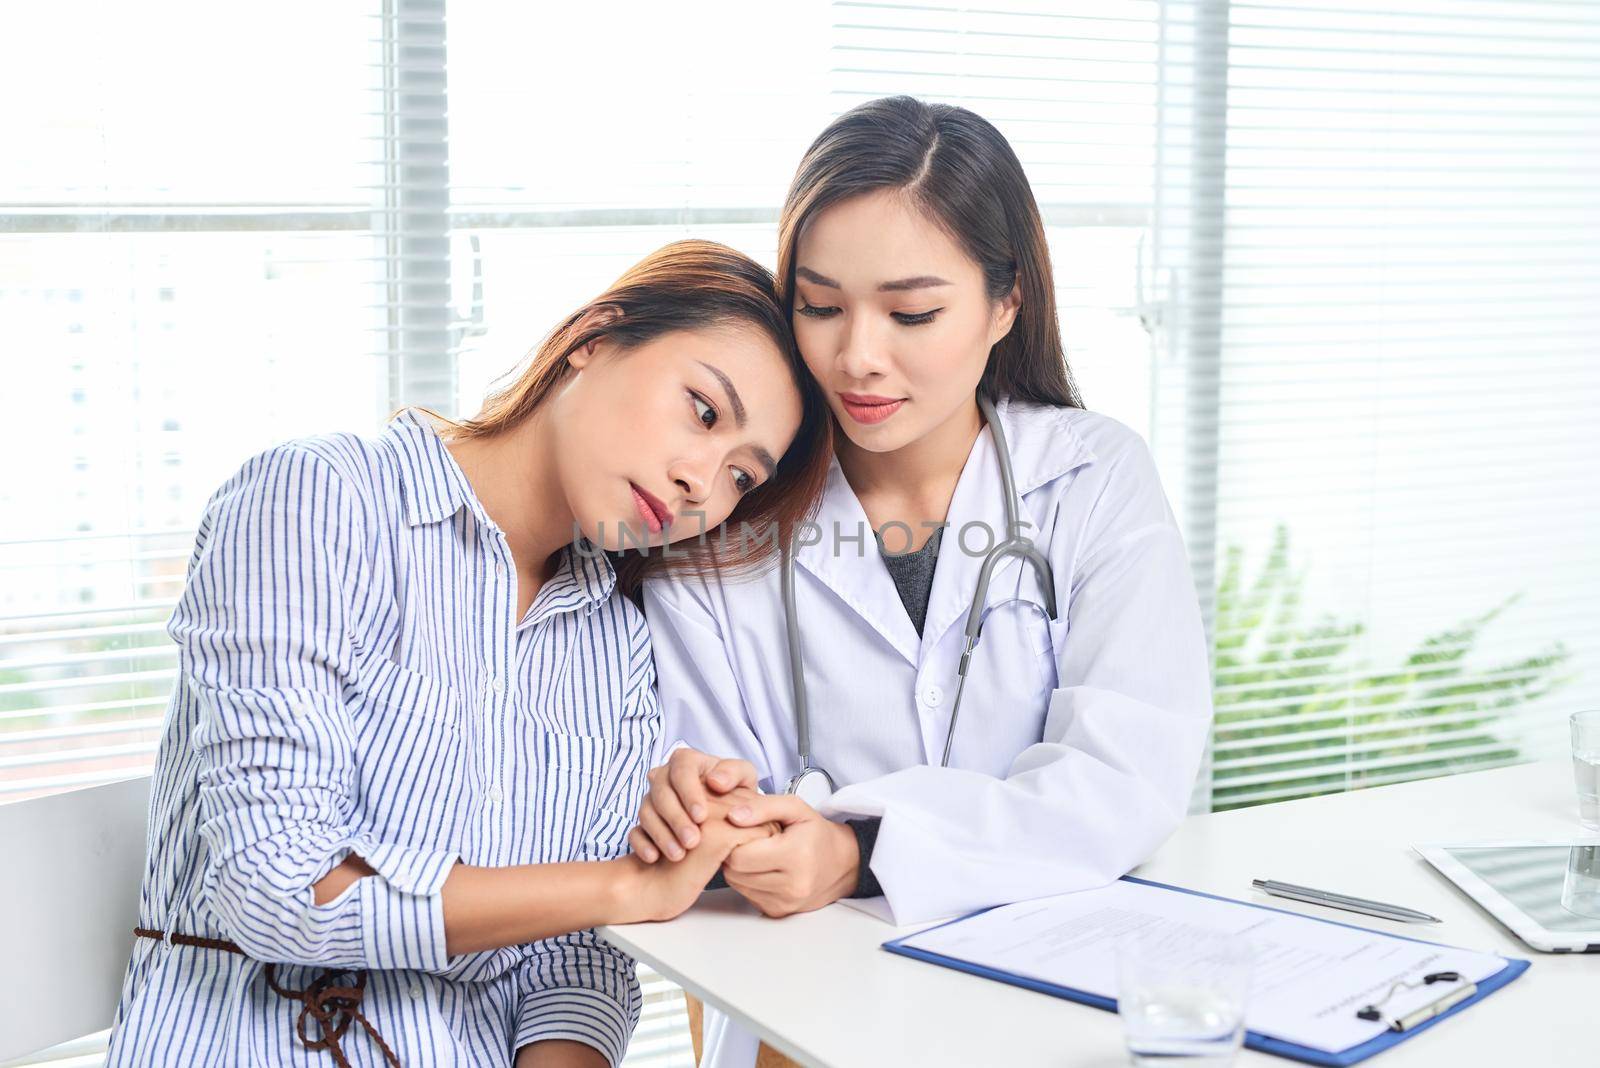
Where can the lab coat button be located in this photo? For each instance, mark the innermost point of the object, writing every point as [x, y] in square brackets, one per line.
[933, 696]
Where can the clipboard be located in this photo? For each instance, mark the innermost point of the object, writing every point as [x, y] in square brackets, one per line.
[1252, 1039]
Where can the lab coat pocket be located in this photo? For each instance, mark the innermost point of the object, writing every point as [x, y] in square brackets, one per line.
[1052, 640]
[1016, 652]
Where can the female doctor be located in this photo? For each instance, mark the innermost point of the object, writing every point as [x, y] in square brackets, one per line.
[913, 258]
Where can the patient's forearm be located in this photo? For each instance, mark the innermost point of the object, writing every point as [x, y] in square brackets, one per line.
[486, 908]
[490, 907]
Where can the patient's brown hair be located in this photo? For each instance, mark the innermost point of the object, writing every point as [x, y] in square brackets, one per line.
[686, 285]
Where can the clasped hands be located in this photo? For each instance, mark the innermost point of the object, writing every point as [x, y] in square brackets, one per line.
[804, 863]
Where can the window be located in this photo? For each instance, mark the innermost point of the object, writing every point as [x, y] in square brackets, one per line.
[1376, 302]
[188, 277]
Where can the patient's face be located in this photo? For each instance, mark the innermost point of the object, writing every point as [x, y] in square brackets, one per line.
[687, 423]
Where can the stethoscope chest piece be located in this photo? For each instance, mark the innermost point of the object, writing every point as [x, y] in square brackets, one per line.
[813, 786]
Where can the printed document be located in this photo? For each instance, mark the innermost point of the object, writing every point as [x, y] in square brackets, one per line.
[1309, 977]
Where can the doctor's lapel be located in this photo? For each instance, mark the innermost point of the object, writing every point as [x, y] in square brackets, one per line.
[1043, 448]
[845, 560]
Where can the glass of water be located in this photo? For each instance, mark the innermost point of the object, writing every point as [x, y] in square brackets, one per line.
[1580, 890]
[1586, 766]
[1181, 993]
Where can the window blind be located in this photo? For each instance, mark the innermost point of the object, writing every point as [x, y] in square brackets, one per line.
[192, 267]
[1073, 87]
[1376, 300]
[575, 150]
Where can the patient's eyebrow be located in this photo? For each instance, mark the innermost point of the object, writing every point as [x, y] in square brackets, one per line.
[764, 458]
[733, 395]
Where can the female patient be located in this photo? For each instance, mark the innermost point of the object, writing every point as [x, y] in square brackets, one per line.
[416, 709]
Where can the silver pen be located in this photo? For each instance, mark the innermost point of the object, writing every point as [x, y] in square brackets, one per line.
[1342, 901]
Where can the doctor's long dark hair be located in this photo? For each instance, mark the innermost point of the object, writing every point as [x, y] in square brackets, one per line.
[961, 171]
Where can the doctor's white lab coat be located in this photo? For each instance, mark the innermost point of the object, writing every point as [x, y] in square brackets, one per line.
[1078, 740]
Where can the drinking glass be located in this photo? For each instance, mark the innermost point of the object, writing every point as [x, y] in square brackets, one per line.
[1181, 993]
[1586, 766]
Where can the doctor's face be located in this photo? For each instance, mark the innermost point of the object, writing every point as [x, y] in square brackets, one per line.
[689, 422]
[893, 320]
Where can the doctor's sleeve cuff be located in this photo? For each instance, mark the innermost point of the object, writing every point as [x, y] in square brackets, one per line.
[866, 832]
[580, 993]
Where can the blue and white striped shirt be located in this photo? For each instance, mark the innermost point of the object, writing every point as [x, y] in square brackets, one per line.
[354, 679]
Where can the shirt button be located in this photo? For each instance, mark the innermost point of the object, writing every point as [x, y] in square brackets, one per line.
[497, 684]
[495, 796]
[416, 991]
[932, 696]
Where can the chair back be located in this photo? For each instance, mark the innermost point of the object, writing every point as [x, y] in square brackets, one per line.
[69, 899]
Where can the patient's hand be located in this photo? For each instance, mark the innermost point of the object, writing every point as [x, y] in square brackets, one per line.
[681, 792]
[668, 889]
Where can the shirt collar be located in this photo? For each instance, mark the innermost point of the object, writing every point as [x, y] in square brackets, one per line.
[432, 483]
[435, 488]
[1044, 444]
[584, 580]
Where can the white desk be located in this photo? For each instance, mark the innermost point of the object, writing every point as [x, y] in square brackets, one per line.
[819, 988]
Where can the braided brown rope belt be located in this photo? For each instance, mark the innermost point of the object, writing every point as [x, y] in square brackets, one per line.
[332, 1007]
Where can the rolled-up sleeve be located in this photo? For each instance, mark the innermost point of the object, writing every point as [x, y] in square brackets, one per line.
[578, 988]
[265, 632]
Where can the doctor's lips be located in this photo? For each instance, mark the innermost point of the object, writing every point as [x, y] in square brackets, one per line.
[866, 408]
[656, 515]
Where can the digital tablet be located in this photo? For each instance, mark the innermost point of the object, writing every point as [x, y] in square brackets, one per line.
[1547, 893]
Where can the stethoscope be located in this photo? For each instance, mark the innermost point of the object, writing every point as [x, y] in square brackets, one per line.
[814, 785]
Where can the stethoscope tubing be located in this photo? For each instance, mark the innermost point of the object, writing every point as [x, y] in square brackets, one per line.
[1015, 544]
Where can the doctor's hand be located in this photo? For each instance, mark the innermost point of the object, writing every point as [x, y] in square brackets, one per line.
[679, 801]
[812, 863]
